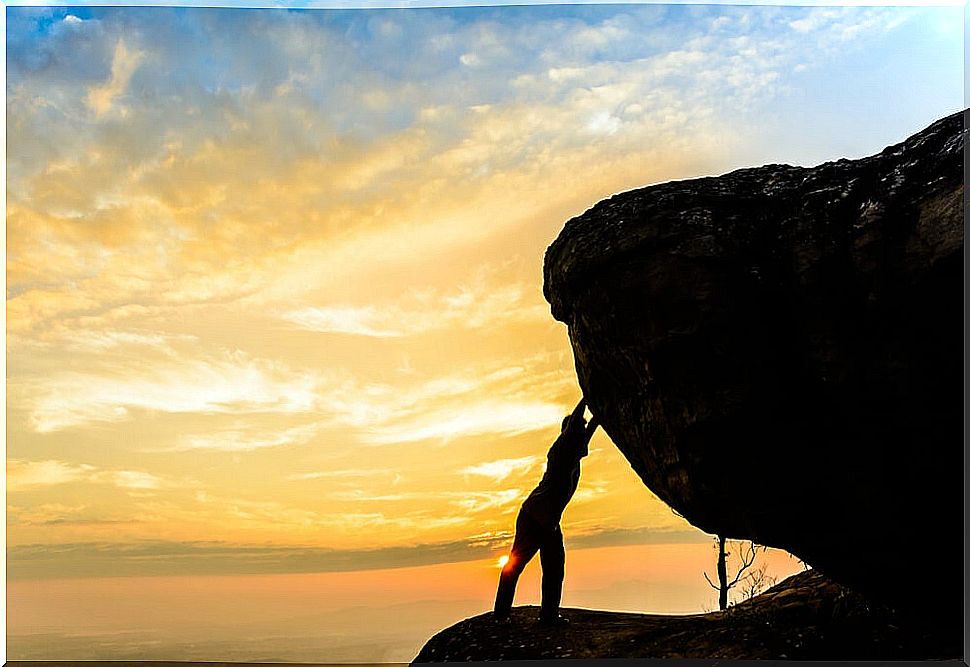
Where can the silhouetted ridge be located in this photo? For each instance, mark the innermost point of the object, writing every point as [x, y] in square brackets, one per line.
[805, 617]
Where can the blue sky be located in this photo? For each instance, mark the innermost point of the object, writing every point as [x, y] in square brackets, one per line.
[865, 85]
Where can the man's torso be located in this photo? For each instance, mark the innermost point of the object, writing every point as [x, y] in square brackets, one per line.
[548, 500]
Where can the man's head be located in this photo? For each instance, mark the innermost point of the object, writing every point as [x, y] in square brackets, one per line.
[580, 422]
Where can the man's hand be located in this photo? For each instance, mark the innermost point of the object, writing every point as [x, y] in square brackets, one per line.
[580, 408]
[576, 420]
[576, 424]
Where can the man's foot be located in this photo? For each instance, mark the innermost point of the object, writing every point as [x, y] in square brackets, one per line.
[501, 618]
[554, 621]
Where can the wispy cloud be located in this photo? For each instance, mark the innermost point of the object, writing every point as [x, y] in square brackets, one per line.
[471, 308]
[473, 418]
[502, 400]
[500, 470]
[289, 521]
[123, 65]
[22, 475]
[358, 321]
[348, 473]
[111, 339]
[487, 501]
[230, 383]
[470, 502]
[132, 479]
[591, 490]
[238, 440]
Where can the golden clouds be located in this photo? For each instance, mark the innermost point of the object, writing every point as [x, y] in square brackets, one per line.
[230, 383]
[470, 418]
[22, 474]
[26, 474]
[503, 468]
[244, 283]
[294, 258]
[244, 439]
[471, 307]
[123, 65]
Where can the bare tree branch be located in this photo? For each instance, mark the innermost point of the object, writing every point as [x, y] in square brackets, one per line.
[757, 581]
[753, 581]
[747, 560]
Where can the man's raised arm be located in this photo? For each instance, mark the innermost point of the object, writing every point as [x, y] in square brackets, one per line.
[575, 419]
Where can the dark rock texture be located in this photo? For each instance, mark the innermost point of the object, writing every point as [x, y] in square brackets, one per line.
[805, 617]
[778, 352]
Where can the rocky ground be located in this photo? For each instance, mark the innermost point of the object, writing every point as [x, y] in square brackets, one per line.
[805, 617]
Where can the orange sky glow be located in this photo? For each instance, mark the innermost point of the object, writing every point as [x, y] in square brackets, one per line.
[380, 615]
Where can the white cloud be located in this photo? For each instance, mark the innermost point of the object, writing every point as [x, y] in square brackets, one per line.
[560, 74]
[502, 400]
[832, 27]
[472, 418]
[500, 470]
[470, 60]
[602, 35]
[131, 479]
[590, 490]
[99, 341]
[23, 474]
[355, 321]
[472, 307]
[481, 502]
[239, 440]
[603, 122]
[230, 383]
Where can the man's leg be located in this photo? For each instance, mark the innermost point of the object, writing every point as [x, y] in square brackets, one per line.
[524, 547]
[552, 555]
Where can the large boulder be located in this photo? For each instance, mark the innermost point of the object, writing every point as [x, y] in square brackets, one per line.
[778, 352]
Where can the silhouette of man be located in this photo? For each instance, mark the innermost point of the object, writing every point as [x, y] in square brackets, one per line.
[537, 525]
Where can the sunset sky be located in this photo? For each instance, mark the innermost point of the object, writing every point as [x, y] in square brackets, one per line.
[274, 277]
